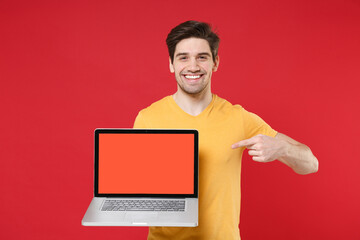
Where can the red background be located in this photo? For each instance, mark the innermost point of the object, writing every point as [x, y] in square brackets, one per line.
[68, 67]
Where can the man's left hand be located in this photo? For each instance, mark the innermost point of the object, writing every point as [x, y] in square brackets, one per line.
[262, 148]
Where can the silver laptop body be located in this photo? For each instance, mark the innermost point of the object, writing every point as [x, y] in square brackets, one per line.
[152, 168]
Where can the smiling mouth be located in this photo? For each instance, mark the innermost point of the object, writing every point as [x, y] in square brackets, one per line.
[192, 76]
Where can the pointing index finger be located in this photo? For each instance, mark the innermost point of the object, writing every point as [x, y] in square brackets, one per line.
[244, 143]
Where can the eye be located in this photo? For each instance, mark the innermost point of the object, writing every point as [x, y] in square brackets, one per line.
[203, 57]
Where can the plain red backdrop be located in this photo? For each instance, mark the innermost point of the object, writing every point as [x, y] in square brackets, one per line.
[68, 67]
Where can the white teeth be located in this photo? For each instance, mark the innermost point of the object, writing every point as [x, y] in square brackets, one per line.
[192, 76]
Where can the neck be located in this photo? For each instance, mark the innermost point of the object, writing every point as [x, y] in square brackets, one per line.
[193, 104]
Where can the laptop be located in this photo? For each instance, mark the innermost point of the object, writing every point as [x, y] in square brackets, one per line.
[145, 177]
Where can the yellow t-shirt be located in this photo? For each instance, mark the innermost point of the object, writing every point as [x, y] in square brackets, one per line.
[220, 125]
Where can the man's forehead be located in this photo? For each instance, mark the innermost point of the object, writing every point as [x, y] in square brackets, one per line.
[193, 46]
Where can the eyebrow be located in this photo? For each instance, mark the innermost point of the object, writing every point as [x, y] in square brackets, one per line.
[184, 54]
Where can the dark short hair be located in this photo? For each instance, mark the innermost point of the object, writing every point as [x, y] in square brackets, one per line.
[193, 29]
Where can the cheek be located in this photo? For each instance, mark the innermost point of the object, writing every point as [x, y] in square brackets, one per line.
[208, 67]
[178, 68]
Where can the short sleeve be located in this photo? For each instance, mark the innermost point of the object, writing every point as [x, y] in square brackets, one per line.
[255, 125]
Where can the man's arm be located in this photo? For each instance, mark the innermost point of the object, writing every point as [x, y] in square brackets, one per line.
[283, 148]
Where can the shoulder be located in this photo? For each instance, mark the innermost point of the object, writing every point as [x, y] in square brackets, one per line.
[156, 107]
[249, 122]
[225, 106]
[148, 115]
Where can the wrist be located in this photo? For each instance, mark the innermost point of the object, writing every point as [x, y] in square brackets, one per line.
[284, 151]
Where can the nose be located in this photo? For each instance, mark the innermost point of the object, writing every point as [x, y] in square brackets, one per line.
[193, 65]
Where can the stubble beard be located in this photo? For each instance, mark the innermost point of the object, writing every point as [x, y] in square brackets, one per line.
[192, 90]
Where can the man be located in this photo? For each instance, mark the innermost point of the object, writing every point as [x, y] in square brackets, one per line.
[225, 130]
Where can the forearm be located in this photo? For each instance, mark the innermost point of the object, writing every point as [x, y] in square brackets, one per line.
[299, 157]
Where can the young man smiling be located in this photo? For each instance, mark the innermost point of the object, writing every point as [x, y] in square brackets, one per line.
[225, 130]
[193, 66]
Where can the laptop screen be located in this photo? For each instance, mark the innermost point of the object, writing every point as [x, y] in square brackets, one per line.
[138, 162]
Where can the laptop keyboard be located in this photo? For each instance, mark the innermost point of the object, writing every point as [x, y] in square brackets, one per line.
[143, 205]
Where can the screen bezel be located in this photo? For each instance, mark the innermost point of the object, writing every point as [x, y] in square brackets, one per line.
[146, 131]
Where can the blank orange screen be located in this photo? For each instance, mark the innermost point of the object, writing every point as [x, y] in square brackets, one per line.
[146, 163]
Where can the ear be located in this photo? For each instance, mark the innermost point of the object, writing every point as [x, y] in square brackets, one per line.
[172, 70]
[216, 63]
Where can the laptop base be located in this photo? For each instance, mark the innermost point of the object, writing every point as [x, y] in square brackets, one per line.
[95, 217]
